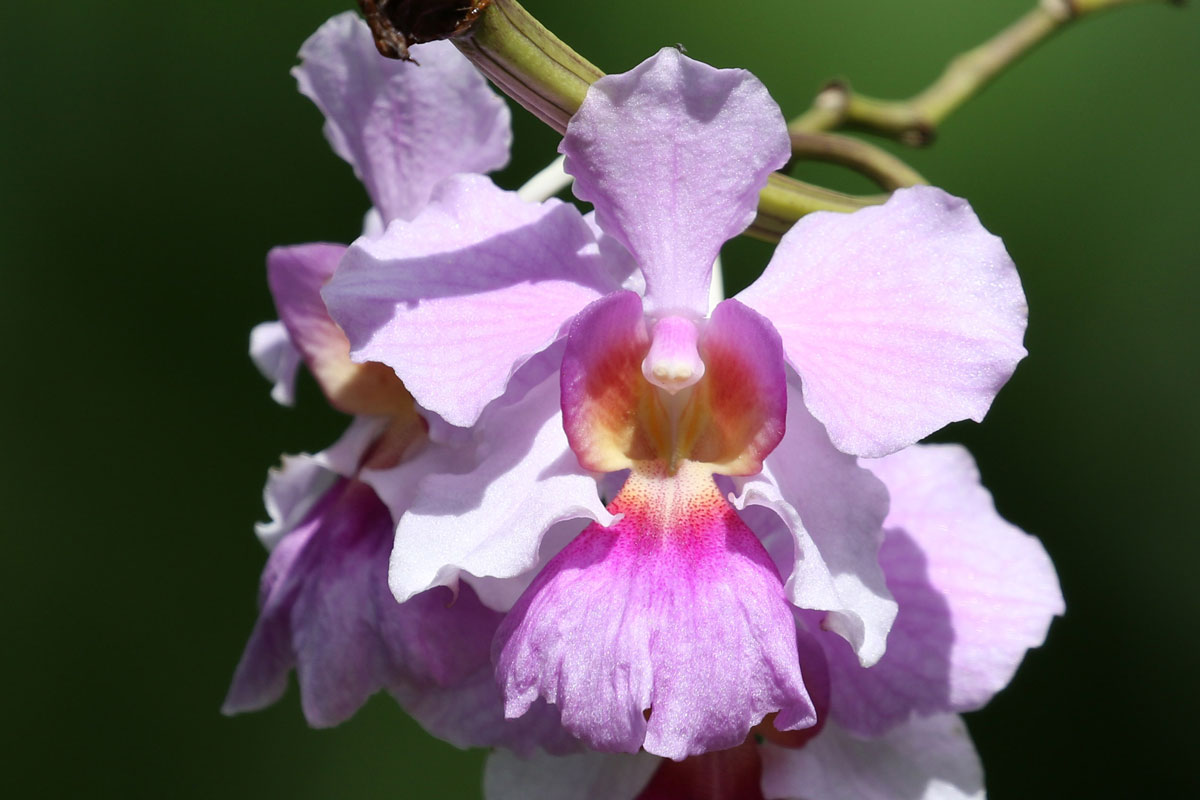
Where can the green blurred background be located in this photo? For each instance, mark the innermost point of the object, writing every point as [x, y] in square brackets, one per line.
[151, 153]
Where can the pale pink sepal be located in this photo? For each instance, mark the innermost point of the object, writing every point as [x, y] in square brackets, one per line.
[975, 593]
[899, 318]
[327, 613]
[403, 127]
[673, 154]
[502, 593]
[296, 275]
[489, 519]
[277, 359]
[290, 493]
[458, 299]
[469, 712]
[299, 482]
[929, 758]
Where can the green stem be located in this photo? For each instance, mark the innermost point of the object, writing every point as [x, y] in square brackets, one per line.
[914, 121]
[879, 165]
[784, 200]
[528, 62]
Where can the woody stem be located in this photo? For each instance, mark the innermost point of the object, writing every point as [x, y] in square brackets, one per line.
[915, 121]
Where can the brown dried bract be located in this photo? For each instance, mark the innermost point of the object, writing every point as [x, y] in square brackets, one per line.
[399, 24]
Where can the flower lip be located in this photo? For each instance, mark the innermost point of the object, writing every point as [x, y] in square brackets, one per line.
[673, 363]
[675, 609]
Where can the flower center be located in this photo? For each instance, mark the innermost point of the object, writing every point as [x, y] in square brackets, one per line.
[672, 390]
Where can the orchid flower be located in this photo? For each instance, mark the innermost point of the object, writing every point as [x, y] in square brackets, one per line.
[325, 607]
[974, 594]
[665, 625]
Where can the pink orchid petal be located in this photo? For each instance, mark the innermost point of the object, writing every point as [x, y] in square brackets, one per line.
[975, 593]
[834, 510]
[345, 456]
[453, 450]
[585, 776]
[272, 351]
[295, 487]
[676, 609]
[503, 593]
[290, 494]
[403, 127]
[326, 612]
[458, 299]
[471, 714]
[398, 485]
[296, 275]
[673, 155]
[442, 638]
[262, 672]
[489, 518]
[899, 318]
[929, 758]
